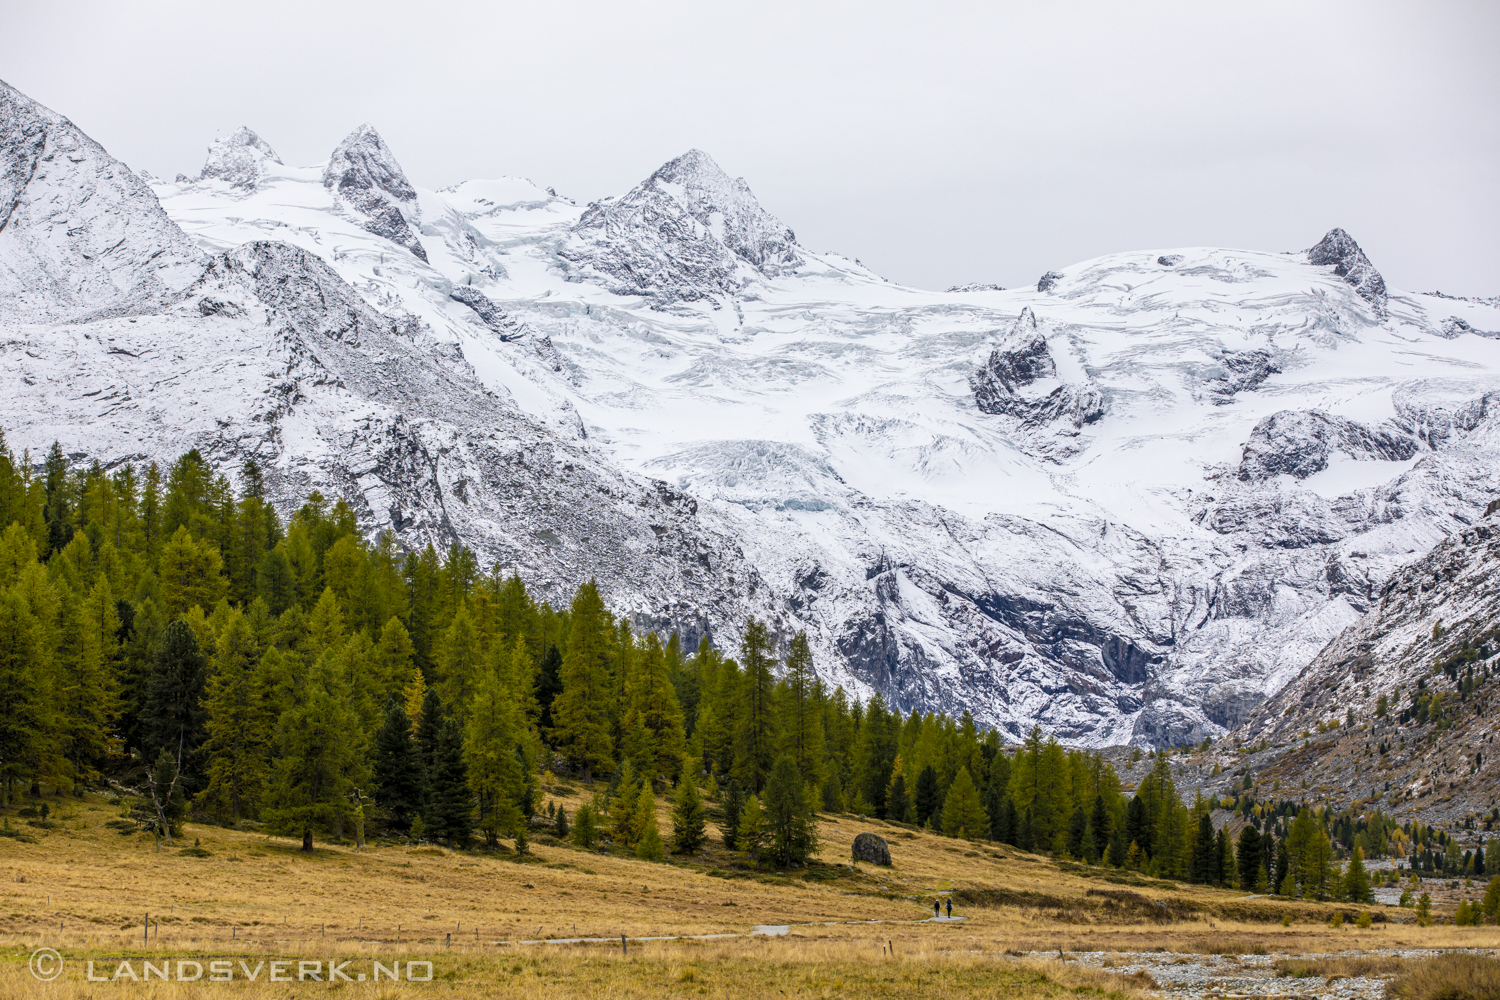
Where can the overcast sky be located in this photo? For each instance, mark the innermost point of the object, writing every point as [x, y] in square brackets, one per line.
[938, 142]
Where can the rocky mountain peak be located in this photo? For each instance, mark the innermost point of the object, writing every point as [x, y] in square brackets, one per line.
[684, 233]
[1350, 263]
[80, 232]
[239, 159]
[364, 175]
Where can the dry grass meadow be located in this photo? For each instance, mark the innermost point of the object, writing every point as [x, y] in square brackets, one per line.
[484, 920]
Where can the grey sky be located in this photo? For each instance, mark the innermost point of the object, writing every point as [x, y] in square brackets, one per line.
[938, 142]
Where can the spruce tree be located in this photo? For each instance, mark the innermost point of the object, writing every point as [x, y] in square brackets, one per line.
[451, 806]
[927, 798]
[791, 834]
[548, 687]
[897, 802]
[1205, 851]
[1101, 824]
[963, 815]
[400, 785]
[173, 717]
[560, 827]
[1249, 857]
[1078, 832]
[688, 829]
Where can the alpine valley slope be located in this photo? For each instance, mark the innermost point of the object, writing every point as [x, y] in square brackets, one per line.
[1127, 504]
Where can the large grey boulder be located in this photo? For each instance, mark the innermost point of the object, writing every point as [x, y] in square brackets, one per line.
[869, 847]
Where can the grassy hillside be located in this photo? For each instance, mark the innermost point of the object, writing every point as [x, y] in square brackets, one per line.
[84, 887]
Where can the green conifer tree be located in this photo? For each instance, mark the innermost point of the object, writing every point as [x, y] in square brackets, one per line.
[688, 829]
[239, 730]
[400, 780]
[755, 735]
[963, 814]
[582, 708]
[791, 835]
[451, 805]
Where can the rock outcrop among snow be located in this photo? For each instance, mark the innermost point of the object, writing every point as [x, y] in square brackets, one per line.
[687, 232]
[239, 159]
[1350, 263]
[1001, 385]
[80, 232]
[364, 175]
[1300, 443]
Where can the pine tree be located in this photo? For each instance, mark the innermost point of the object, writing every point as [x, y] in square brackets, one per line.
[493, 735]
[897, 802]
[791, 834]
[400, 781]
[1078, 832]
[191, 574]
[688, 830]
[318, 763]
[581, 709]
[648, 845]
[963, 815]
[755, 736]
[1224, 874]
[451, 806]
[750, 833]
[802, 728]
[274, 581]
[734, 804]
[585, 829]
[22, 745]
[653, 718]
[238, 728]
[1356, 887]
[560, 827]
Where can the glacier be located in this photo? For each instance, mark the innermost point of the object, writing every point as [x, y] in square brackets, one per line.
[1127, 504]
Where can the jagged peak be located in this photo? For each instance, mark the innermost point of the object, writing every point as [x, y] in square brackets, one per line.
[80, 232]
[1349, 262]
[238, 158]
[364, 163]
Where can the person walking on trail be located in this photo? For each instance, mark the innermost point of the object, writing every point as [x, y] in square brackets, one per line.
[950, 907]
[937, 910]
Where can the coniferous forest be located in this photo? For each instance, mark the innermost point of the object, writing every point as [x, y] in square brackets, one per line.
[169, 633]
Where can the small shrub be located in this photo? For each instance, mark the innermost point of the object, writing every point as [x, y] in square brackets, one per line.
[1451, 976]
[1364, 921]
[1286, 920]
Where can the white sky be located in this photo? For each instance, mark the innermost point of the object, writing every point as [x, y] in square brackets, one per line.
[938, 142]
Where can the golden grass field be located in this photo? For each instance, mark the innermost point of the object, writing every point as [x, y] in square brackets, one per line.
[85, 889]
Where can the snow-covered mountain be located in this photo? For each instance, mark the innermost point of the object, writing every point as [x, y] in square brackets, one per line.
[1128, 503]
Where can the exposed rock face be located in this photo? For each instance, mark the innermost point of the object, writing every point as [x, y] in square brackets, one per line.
[1048, 281]
[687, 232]
[80, 232]
[365, 176]
[1169, 260]
[239, 159]
[1350, 263]
[1299, 443]
[977, 286]
[1022, 360]
[503, 325]
[871, 848]
[1246, 370]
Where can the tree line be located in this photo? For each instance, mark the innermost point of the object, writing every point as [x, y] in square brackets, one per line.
[172, 630]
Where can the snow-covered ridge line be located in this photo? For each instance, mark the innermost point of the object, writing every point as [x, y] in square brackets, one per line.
[1126, 504]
